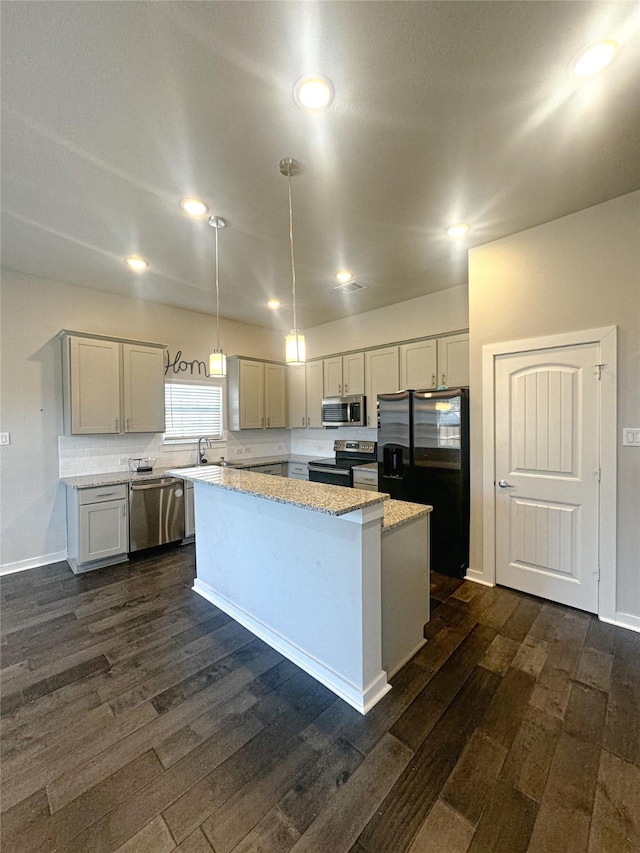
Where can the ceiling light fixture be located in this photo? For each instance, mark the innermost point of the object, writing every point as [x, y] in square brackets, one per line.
[313, 92]
[344, 276]
[136, 263]
[294, 342]
[273, 304]
[594, 58]
[193, 207]
[458, 230]
[217, 359]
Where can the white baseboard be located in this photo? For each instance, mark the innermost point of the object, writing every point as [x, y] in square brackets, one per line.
[360, 699]
[624, 620]
[32, 563]
[477, 577]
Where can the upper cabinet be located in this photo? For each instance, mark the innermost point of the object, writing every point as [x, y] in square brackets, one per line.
[257, 394]
[382, 375]
[343, 375]
[313, 376]
[111, 386]
[434, 362]
[453, 360]
[418, 364]
[297, 384]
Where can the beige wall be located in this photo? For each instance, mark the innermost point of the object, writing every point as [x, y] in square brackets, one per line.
[578, 272]
[33, 311]
[434, 314]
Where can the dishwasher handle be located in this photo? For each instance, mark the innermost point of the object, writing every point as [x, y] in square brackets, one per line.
[155, 484]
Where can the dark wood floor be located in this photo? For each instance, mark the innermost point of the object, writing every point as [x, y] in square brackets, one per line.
[139, 718]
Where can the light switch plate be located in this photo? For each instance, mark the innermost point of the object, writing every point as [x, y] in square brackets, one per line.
[631, 436]
[5, 438]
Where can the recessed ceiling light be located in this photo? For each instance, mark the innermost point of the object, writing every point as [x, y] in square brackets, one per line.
[344, 276]
[193, 207]
[458, 230]
[136, 263]
[313, 92]
[594, 58]
[273, 304]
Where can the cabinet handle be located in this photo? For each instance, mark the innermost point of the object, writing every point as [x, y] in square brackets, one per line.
[340, 387]
[433, 380]
[303, 422]
[117, 424]
[346, 387]
[124, 511]
[127, 426]
[442, 383]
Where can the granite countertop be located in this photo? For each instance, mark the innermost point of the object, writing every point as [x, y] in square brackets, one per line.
[332, 500]
[397, 513]
[250, 461]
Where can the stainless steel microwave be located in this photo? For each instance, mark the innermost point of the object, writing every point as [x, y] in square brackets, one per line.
[344, 411]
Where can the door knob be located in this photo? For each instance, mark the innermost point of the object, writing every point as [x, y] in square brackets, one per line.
[504, 485]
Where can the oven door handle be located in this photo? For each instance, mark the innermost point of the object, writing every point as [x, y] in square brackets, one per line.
[341, 471]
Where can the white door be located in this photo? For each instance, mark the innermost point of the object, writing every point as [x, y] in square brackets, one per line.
[546, 473]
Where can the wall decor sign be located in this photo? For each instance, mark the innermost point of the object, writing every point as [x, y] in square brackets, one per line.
[179, 365]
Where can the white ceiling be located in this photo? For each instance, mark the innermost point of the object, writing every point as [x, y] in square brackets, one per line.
[444, 111]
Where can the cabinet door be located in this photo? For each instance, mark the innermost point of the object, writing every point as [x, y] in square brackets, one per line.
[332, 372]
[297, 386]
[143, 374]
[94, 392]
[251, 391]
[381, 370]
[418, 365]
[314, 393]
[353, 373]
[275, 395]
[453, 360]
[103, 530]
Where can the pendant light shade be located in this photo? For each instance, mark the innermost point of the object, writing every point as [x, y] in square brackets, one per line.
[217, 359]
[294, 347]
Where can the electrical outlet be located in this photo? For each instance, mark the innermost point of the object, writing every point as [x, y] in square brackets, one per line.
[5, 438]
[631, 437]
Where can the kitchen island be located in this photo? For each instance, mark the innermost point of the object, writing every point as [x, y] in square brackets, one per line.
[299, 565]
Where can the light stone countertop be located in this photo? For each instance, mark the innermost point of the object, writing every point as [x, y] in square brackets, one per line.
[397, 513]
[332, 500]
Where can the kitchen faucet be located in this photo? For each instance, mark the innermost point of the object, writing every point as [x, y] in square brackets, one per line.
[202, 460]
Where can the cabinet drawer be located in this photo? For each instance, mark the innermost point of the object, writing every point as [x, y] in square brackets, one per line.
[365, 477]
[102, 493]
[298, 469]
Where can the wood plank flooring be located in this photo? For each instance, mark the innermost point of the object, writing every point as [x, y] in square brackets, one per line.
[137, 718]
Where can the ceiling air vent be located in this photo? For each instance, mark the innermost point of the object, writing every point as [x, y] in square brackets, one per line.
[350, 287]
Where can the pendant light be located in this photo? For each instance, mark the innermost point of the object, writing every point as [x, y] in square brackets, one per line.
[217, 359]
[294, 342]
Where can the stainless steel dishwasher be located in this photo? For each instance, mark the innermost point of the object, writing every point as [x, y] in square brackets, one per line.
[156, 512]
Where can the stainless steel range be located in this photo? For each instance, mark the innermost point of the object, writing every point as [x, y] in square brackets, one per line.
[336, 470]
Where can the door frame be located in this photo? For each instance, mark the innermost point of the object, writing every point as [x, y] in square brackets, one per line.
[606, 337]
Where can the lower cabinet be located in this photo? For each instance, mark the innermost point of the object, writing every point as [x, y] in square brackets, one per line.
[97, 527]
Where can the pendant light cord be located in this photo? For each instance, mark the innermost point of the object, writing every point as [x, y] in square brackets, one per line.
[293, 266]
[217, 297]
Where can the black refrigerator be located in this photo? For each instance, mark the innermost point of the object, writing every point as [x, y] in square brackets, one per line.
[423, 456]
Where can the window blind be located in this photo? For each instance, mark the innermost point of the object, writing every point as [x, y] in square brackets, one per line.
[192, 410]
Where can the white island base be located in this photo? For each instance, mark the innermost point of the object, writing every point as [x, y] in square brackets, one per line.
[306, 582]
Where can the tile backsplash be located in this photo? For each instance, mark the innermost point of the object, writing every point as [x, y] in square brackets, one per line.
[105, 454]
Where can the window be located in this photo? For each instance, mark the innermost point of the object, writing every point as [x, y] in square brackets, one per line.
[192, 409]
